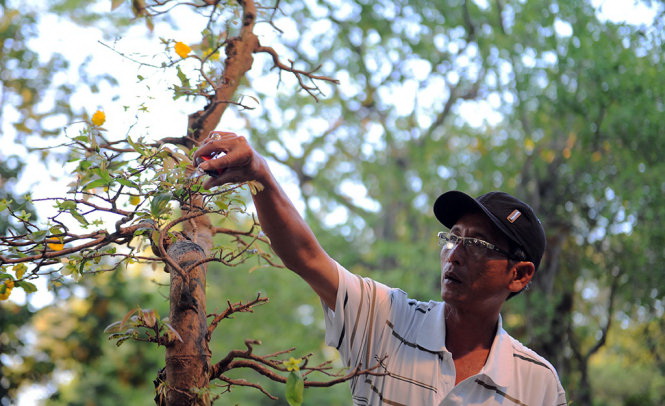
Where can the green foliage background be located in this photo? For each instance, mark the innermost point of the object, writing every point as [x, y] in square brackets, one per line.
[579, 134]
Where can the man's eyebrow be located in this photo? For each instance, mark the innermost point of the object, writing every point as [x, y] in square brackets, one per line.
[475, 233]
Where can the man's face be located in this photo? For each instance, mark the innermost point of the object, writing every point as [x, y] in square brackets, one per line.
[475, 276]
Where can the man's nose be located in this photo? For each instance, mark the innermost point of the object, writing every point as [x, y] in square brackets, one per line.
[453, 254]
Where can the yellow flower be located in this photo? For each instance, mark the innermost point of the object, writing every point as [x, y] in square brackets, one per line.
[182, 49]
[292, 364]
[98, 118]
[55, 244]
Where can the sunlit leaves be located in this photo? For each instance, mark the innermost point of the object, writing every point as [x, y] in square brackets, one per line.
[28, 287]
[185, 86]
[8, 283]
[71, 207]
[142, 325]
[19, 270]
[6, 286]
[132, 182]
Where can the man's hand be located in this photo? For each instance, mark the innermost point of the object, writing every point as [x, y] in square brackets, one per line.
[228, 158]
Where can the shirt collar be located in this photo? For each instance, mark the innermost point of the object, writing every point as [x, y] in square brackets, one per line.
[499, 365]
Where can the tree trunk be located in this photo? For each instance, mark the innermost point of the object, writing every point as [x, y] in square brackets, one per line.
[583, 395]
[188, 361]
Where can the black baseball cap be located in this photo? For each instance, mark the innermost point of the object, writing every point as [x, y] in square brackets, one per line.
[513, 217]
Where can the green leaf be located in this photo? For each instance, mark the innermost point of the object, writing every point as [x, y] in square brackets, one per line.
[4, 204]
[95, 183]
[141, 231]
[158, 203]
[55, 230]
[222, 204]
[20, 270]
[114, 327]
[67, 205]
[79, 217]
[28, 287]
[38, 235]
[184, 80]
[137, 147]
[295, 388]
[128, 183]
[103, 173]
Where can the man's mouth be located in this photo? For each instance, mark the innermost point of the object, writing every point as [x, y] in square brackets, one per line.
[451, 277]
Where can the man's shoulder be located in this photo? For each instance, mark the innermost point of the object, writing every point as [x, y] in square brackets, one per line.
[527, 358]
[408, 303]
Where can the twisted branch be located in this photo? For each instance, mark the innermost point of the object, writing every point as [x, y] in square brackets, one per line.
[269, 367]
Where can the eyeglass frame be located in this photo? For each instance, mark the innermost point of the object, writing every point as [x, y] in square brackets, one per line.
[444, 236]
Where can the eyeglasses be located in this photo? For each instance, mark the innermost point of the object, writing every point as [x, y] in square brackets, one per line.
[474, 246]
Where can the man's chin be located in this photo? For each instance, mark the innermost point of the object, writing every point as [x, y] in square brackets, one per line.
[448, 296]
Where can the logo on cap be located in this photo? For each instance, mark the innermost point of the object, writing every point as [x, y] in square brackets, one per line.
[512, 217]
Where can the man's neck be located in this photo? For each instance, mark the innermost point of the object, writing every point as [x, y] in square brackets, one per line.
[468, 331]
[469, 338]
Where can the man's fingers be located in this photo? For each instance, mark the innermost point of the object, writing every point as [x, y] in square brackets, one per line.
[209, 149]
[225, 177]
[216, 164]
[226, 157]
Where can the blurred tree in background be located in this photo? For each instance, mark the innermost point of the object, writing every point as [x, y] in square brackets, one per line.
[543, 99]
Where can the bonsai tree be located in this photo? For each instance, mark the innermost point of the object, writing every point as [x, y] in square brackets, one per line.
[133, 201]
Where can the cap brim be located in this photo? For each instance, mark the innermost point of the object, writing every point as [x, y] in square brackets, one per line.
[451, 206]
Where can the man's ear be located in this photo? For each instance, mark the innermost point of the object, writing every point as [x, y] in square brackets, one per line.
[522, 273]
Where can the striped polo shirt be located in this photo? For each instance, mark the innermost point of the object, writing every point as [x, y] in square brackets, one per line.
[374, 324]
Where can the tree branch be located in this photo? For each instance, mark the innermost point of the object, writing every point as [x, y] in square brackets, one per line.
[234, 308]
[299, 74]
[269, 367]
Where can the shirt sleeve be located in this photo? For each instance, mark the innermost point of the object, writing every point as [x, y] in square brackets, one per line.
[362, 308]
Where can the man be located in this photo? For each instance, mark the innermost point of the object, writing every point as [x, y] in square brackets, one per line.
[453, 352]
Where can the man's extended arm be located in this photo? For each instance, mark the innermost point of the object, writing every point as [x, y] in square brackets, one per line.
[290, 237]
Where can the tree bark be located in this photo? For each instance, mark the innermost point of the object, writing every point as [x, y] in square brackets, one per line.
[239, 60]
[188, 361]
